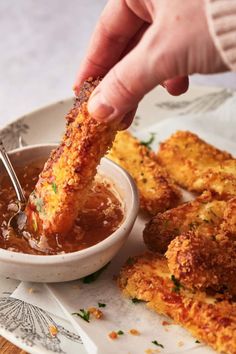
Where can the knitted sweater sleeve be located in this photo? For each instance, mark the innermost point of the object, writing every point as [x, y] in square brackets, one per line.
[221, 17]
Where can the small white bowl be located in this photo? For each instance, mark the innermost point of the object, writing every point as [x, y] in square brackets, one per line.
[71, 266]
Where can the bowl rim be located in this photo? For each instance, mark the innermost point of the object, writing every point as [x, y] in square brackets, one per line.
[129, 218]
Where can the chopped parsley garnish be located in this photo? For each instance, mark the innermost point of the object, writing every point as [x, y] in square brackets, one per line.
[92, 277]
[120, 333]
[197, 341]
[39, 204]
[54, 187]
[83, 314]
[130, 261]
[100, 304]
[177, 284]
[158, 344]
[136, 301]
[149, 141]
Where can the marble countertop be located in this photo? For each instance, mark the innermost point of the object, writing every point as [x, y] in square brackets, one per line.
[41, 45]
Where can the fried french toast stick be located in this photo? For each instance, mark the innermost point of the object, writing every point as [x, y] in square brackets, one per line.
[203, 260]
[67, 175]
[148, 278]
[202, 215]
[197, 165]
[157, 192]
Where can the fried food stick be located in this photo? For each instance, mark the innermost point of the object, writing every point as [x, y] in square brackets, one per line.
[67, 175]
[198, 166]
[202, 215]
[148, 278]
[202, 261]
[157, 192]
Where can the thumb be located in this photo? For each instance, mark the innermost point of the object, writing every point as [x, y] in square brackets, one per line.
[125, 84]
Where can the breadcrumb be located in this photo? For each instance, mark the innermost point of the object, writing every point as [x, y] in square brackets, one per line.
[53, 330]
[98, 314]
[113, 335]
[134, 332]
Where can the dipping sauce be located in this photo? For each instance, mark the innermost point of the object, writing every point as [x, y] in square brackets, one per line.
[102, 215]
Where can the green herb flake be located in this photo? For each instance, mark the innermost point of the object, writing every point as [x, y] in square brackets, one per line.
[177, 284]
[130, 261]
[94, 276]
[82, 314]
[136, 301]
[39, 204]
[197, 341]
[149, 141]
[100, 304]
[158, 344]
[120, 333]
[54, 187]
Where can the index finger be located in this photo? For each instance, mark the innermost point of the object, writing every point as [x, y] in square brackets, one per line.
[116, 27]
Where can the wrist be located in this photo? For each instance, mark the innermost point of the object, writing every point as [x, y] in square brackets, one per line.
[221, 18]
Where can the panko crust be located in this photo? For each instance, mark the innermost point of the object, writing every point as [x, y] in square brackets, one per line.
[204, 263]
[148, 278]
[197, 165]
[67, 175]
[204, 215]
[157, 192]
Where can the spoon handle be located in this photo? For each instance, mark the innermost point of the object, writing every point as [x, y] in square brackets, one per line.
[10, 170]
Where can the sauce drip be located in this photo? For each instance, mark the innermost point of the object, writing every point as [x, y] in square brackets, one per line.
[101, 216]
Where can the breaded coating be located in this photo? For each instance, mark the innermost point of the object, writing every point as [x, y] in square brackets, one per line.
[67, 175]
[157, 192]
[202, 215]
[197, 165]
[148, 278]
[201, 262]
[229, 219]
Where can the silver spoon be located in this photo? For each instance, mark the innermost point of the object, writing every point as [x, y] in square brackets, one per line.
[17, 220]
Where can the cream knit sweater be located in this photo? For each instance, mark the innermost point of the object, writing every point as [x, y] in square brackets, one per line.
[221, 16]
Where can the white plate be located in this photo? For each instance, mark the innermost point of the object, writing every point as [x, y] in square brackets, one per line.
[46, 125]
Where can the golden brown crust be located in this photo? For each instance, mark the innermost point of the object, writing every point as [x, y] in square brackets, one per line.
[63, 184]
[201, 262]
[147, 278]
[157, 192]
[203, 215]
[197, 165]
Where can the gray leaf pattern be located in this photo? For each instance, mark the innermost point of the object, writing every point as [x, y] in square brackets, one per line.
[203, 103]
[32, 325]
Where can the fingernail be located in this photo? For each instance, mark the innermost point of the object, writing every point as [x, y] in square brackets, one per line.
[98, 108]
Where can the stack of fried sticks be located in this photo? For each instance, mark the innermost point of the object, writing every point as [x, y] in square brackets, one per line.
[190, 272]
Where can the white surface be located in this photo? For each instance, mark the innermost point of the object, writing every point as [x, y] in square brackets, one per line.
[41, 45]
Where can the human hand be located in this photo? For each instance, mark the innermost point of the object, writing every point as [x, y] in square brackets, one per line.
[138, 44]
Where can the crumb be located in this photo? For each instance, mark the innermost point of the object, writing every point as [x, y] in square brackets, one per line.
[113, 335]
[31, 290]
[166, 329]
[53, 330]
[166, 323]
[180, 343]
[95, 312]
[152, 351]
[134, 332]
